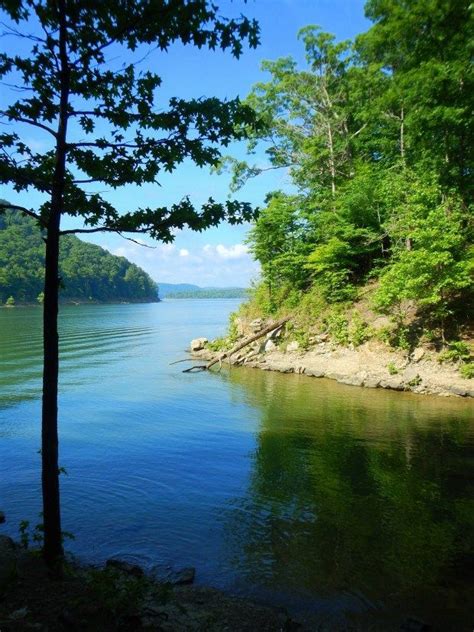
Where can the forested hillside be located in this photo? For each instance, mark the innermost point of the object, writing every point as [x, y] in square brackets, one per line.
[377, 135]
[187, 290]
[88, 272]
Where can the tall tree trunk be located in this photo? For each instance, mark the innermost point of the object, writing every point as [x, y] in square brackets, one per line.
[402, 135]
[332, 160]
[52, 549]
[49, 434]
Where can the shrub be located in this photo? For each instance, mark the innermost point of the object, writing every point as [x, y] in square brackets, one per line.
[467, 370]
[457, 350]
[359, 330]
[392, 369]
[338, 328]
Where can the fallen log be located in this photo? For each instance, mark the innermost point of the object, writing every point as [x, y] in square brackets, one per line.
[241, 345]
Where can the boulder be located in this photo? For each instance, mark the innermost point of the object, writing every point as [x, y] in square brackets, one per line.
[125, 567]
[166, 574]
[269, 346]
[395, 383]
[372, 381]
[198, 344]
[256, 325]
[314, 373]
[293, 346]
[417, 354]
[275, 333]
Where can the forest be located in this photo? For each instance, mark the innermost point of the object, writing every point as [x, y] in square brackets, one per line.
[377, 137]
[88, 272]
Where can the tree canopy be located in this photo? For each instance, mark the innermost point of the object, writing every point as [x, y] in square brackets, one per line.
[377, 135]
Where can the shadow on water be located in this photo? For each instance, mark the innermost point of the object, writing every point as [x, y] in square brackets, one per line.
[359, 501]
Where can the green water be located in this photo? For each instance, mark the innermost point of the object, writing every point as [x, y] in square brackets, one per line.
[349, 506]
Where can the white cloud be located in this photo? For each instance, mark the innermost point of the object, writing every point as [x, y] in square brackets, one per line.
[237, 251]
[216, 265]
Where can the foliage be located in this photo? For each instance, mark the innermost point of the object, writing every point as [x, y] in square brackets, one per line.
[456, 351]
[467, 370]
[119, 593]
[359, 330]
[88, 272]
[392, 369]
[10, 302]
[27, 536]
[338, 328]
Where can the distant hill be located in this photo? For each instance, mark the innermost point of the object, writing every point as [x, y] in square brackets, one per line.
[88, 272]
[187, 290]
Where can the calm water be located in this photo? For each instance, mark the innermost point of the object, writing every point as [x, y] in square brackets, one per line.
[342, 501]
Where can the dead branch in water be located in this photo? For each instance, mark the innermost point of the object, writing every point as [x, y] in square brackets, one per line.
[241, 345]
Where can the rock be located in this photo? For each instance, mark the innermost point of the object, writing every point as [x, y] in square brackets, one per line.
[198, 343]
[313, 373]
[458, 390]
[336, 376]
[395, 383]
[2, 517]
[417, 354]
[269, 346]
[256, 325]
[293, 346]
[275, 333]
[351, 380]
[321, 338]
[185, 576]
[165, 574]
[19, 614]
[125, 567]
[372, 382]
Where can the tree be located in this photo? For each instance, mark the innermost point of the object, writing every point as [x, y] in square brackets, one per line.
[377, 136]
[105, 127]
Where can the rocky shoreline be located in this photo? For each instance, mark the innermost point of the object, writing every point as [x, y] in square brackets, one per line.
[119, 597]
[371, 365]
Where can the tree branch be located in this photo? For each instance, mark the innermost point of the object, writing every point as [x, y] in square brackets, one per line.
[22, 119]
[100, 229]
[22, 209]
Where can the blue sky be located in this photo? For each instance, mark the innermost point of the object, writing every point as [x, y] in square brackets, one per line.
[218, 256]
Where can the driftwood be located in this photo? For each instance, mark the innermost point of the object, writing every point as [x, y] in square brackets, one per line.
[241, 345]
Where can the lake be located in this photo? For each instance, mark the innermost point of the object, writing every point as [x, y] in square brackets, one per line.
[341, 503]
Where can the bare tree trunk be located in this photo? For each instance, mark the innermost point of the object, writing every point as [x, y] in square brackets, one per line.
[402, 135]
[332, 161]
[52, 549]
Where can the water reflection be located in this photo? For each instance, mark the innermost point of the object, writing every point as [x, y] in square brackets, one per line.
[357, 499]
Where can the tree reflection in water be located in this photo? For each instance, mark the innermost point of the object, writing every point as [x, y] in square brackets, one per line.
[358, 500]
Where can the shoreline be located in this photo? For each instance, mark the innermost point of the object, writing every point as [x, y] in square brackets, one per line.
[371, 365]
[85, 302]
[120, 597]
